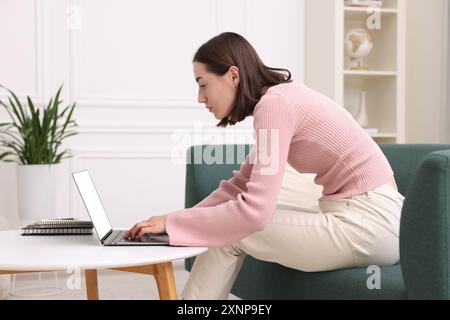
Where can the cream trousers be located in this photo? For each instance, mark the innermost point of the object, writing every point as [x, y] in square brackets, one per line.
[307, 235]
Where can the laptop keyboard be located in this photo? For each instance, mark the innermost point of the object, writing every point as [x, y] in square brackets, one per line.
[117, 236]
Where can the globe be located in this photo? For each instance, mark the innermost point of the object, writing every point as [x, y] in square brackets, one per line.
[358, 45]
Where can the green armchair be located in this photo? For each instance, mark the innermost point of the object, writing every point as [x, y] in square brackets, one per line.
[423, 175]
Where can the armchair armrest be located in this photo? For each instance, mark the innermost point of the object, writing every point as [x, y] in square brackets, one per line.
[425, 230]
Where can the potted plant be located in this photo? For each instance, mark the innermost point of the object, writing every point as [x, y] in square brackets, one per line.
[33, 140]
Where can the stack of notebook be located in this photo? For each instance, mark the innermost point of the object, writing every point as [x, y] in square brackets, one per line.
[65, 226]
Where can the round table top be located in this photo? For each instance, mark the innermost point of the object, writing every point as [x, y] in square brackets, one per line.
[32, 253]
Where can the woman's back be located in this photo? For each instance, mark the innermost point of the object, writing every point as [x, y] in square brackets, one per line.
[327, 141]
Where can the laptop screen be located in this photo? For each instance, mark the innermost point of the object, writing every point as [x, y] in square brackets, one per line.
[92, 202]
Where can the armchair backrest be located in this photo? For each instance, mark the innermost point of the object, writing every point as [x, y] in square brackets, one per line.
[202, 178]
[405, 159]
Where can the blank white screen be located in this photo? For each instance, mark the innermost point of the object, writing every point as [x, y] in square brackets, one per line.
[92, 202]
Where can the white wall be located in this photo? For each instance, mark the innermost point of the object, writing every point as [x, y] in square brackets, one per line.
[426, 71]
[127, 64]
[446, 112]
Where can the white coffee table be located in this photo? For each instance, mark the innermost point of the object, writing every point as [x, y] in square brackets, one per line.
[24, 254]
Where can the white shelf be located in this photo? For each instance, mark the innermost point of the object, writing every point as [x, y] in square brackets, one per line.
[364, 10]
[378, 134]
[384, 136]
[370, 73]
[361, 12]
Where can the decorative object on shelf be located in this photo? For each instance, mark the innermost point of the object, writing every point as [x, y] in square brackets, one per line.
[364, 3]
[35, 150]
[358, 45]
[361, 115]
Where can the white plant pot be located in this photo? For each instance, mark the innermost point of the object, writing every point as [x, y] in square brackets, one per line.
[36, 191]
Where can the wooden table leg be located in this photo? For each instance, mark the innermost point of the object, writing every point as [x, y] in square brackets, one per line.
[165, 280]
[91, 284]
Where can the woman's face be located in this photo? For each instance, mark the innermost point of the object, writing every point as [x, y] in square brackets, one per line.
[218, 93]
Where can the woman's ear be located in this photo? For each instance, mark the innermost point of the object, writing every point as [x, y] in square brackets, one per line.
[234, 75]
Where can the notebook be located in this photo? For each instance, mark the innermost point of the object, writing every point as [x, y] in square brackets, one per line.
[64, 226]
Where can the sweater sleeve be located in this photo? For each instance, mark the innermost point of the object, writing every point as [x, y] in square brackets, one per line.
[250, 211]
[229, 189]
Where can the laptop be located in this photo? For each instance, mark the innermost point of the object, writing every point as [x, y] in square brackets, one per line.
[108, 236]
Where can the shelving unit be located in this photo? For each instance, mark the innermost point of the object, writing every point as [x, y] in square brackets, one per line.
[327, 66]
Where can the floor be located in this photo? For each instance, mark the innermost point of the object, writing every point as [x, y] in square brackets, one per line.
[113, 285]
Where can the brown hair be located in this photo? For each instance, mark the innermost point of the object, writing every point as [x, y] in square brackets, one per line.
[231, 49]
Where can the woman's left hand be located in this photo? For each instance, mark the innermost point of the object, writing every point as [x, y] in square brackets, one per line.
[155, 225]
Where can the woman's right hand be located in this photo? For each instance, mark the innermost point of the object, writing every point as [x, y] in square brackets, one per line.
[154, 225]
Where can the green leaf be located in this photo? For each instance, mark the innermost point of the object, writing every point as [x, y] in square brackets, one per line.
[10, 134]
[21, 117]
[35, 118]
[40, 131]
[5, 154]
[20, 163]
[11, 146]
[9, 112]
[55, 110]
[68, 117]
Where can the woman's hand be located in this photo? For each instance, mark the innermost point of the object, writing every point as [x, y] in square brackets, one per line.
[153, 225]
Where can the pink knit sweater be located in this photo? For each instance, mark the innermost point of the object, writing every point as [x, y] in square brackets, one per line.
[292, 124]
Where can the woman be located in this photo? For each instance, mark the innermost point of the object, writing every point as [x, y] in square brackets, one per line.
[358, 224]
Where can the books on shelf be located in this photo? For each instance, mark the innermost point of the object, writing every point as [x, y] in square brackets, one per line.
[64, 226]
[364, 3]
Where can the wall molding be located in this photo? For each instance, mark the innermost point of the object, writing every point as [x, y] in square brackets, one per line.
[73, 50]
[151, 128]
[120, 153]
[23, 99]
[80, 154]
[40, 47]
[122, 103]
[84, 101]
[39, 80]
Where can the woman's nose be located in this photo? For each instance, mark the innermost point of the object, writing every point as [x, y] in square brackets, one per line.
[201, 99]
